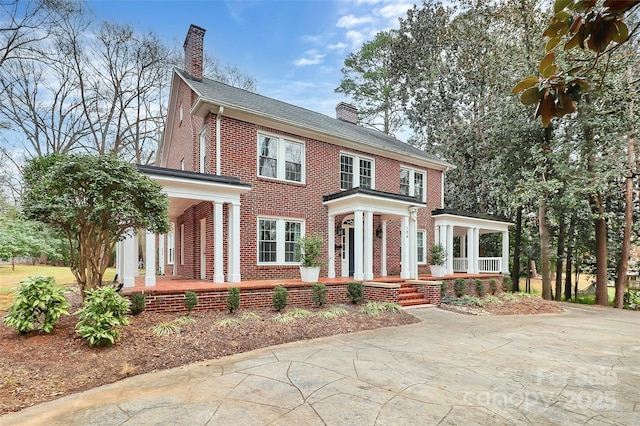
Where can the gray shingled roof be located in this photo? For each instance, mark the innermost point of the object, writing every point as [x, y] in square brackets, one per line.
[215, 91]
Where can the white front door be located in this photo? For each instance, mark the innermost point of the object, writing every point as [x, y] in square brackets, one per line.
[203, 247]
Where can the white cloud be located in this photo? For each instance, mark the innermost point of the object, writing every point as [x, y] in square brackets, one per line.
[394, 10]
[314, 39]
[337, 46]
[311, 57]
[356, 38]
[350, 21]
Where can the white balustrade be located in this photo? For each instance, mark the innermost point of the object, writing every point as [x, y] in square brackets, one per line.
[490, 264]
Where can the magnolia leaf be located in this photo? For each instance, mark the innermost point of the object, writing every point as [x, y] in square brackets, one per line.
[575, 40]
[561, 16]
[530, 96]
[560, 5]
[620, 6]
[582, 83]
[573, 71]
[546, 61]
[547, 109]
[549, 71]
[576, 25]
[526, 83]
[622, 32]
[552, 43]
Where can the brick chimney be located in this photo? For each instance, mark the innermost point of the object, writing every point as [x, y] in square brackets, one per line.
[347, 112]
[193, 51]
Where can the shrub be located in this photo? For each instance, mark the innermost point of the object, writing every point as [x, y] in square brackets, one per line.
[280, 296]
[372, 308]
[104, 310]
[443, 289]
[354, 291]
[250, 316]
[319, 294]
[507, 283]
[493, 285]
[165, 328]
[38, 304]
[472, 301]
[138, 303]
[299, 313]
[460, 287]
[233, 299]
[493, 299]
[228, 322]
[438, 255]
[480, 288]
[190, 301]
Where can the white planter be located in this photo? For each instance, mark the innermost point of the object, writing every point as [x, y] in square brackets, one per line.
[309, 274]
[437, 270]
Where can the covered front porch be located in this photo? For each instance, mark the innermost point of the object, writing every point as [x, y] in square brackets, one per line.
[468, 227]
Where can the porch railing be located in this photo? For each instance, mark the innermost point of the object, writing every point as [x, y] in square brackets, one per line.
[485, 264]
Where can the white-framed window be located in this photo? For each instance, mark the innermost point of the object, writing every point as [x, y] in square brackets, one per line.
[281, 158]
[182, 244]
[356, 171]
[413, 183]
[277, 240]
[171, 245]
[203, 150]
[421, 246]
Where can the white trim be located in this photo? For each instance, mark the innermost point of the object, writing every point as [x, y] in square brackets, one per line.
[280, 241]
[281, 156]
[202, 138]
[412, 180]
[182, 244]
[171, 244]
[424, 246]
[356, 169]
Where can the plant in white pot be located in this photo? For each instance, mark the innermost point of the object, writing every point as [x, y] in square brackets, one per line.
[310, 249]
[437, 260]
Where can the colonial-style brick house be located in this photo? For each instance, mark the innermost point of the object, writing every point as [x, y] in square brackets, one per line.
[247, 175]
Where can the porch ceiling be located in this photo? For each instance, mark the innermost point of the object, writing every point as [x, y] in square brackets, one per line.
[379, 202]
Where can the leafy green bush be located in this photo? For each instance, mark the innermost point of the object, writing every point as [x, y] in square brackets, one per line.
[472, 301]
[138, 303]
[493, 299]
[319, 294]
[443, 289]
[190, 301]
[104, 310]
[165, 328]
[507, 283]
[38, 304]
[280, 296]
[354, 291]
[480, 288]
[493, 285]
[372, 308]
[509, 297]
[233, 299]
[460, 287]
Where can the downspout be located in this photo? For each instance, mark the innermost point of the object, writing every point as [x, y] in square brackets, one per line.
[218, 139]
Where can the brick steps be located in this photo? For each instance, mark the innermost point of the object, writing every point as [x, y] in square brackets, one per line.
[408, 296]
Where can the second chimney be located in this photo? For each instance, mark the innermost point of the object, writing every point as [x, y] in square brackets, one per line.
[347, 112]
[193, 51]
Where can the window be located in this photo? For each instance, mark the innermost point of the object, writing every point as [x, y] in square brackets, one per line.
[412, 183]
[277, 240]
[421, 246]
[203, 150]
[356, 171]
[280, 158]
[171, 245]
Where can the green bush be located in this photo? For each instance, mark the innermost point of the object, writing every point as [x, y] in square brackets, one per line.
[280, 296]
[138, 303]
[507, 283]
[354, 291]
[38, 304]
[460, 287]
[493, 285]
[443, 289]
[319, 294]
[104, 310]
[233, 299]
[190, 301]
[480, 288]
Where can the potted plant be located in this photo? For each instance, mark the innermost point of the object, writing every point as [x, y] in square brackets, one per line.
[437, 260]
[309, 250]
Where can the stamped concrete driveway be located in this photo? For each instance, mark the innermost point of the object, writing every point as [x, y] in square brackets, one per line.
[579, 367]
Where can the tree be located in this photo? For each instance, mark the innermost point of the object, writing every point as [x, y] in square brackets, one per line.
[95, 201]
[25, 238]
[366, 78]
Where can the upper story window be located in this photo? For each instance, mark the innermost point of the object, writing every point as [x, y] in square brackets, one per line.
[278, 239]
[356, 171]
[280, 158]
[412, 183]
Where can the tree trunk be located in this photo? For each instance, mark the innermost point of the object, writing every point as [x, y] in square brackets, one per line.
[515, 270]
[628, 226]
[569, 261]
[560, 256]
[544, 250]
[13, 263]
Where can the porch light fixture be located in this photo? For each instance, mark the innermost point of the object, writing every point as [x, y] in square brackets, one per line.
[379, 231]
[338, 228]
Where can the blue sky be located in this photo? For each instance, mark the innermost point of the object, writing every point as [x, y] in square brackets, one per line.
[294, 49]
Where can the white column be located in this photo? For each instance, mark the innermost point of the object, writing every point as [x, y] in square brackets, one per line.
[383, 250]
[436, 234]
[442, 240]
[150, 267]
[404, 248]
[476, 249]
[358, 251]
[471, 253]
[463, 246]
[136, 255]
[413, 243]
[129, 262]
[368, 245]
[161, 251]
[331, 225]
[505, 252]
[233, 275]
[218, 243]
[449, 249]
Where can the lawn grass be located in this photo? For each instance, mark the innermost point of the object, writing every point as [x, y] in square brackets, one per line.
[62, 274]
